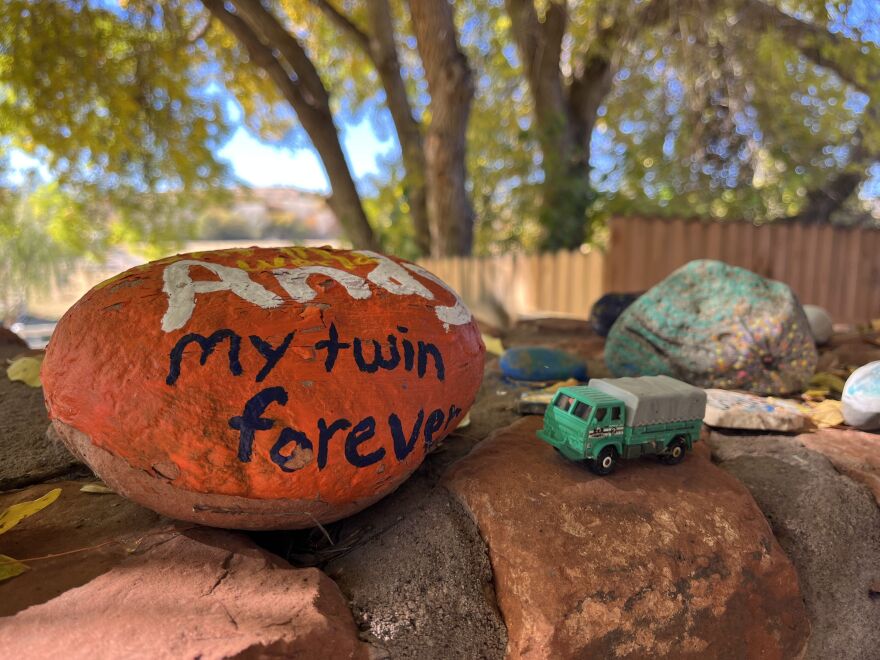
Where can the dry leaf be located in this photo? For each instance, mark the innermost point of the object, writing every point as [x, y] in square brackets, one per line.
[13, 515]
[827, 381]
[10, 567]
[493, 345]
[554, 387]
[26, 369]
[824, 414]
[18, 512]
[96, 487]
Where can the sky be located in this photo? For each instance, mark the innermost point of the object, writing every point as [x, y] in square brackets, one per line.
[260, 164]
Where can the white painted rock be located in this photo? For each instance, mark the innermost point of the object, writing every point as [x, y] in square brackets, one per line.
[861, 397]
[737, 410]
[821, 325]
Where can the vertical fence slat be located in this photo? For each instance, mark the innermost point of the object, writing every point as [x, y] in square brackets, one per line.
[874, 283]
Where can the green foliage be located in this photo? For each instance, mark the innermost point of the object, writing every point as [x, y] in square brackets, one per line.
[390, 213]
[726, 119]
[33, 248]
[112, 102]
[712, 113]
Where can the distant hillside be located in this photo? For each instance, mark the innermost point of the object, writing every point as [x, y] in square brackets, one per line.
[271, 213]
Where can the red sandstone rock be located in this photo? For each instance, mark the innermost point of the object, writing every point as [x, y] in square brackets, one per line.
[77, 538]
[855, 453]
[207, 594]
[654, 561]
[262, 388]
[9, 338]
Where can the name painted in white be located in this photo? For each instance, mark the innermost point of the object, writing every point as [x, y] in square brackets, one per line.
[387, 274]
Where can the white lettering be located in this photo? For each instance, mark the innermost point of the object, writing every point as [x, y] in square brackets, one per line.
[393, 278]
[387, 274]
[296, 282]
[182, 290]
[457, 314]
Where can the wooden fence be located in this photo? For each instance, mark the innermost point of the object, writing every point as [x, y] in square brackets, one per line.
[837, 268]
[562, 283]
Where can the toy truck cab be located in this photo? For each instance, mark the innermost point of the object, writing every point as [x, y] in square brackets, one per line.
[624, 418]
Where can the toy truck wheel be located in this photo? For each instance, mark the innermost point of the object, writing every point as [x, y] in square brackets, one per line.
[675, 452]
[605, 461]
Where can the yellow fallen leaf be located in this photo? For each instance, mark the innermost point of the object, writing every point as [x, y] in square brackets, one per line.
[493, 345]
[553, 387]
[95, 488]
[875, 324]
[10, 567]
[825, 413]
[18, 512]
[26, 369]
[827, 381]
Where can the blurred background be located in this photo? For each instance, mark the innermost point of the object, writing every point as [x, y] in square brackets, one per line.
[535, 154]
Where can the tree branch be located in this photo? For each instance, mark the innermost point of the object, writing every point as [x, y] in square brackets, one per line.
[344, 23]
[254, 28]
[805, 36]
[379, 45]
[273, 32]
[594, 74]
[260, 54]
[451, 86]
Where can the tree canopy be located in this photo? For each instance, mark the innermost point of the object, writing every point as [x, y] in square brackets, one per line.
[516, 122]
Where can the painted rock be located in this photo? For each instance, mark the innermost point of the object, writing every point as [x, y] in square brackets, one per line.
[738, 410]
[714, 325]
[534, 363]
[608, 309]
[861, 397]
[821, 326]
[262, 388]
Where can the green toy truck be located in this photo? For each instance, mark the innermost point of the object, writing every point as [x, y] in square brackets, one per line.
[617, 418]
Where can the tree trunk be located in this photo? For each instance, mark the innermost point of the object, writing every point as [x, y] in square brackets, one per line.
[296, 79]
[565, 114]
[823, 202]
[383, 52]
[568, 194]
[562, 134]
[451, 87]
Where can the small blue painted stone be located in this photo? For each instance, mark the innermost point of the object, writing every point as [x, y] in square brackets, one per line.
[861, 397]
[608, 308]
[534, 363]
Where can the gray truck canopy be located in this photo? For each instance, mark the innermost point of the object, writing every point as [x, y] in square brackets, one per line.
[655, 399]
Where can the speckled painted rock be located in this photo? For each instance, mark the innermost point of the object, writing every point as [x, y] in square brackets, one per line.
[861, 397]
[608, 309]
[714, 325]
[738, 410]
[821, 325]
[534, 363]
[262, 388]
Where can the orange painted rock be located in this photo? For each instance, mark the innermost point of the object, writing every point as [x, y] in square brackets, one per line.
[262, 388]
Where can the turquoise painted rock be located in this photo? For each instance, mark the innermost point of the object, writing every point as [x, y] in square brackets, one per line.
[714, 325]
[608, 309]
[533, 363]
[861, 397]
